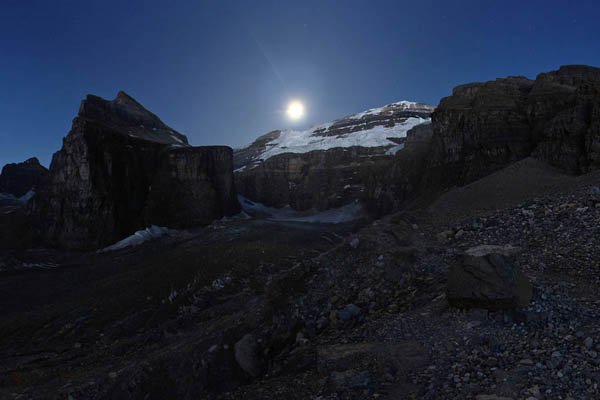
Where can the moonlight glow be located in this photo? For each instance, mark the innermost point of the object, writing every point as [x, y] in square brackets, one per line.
[295, 110]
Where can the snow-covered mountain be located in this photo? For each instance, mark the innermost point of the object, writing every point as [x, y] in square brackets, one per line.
[384, 127]
[325, 167]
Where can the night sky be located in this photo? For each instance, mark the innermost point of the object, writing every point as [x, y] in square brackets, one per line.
[222, 72]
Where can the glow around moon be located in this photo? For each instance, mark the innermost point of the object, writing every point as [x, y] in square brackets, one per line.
[295, 110]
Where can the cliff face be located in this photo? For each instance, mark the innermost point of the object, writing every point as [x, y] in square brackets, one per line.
[565, 109]
[192, 185]
[114, 174]
[483, 127]
[320, 179]
[480, 128]
[322, 167]
[18, 179]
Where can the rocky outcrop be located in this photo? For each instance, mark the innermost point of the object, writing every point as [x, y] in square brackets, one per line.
[483, 127]
[18, 179]
[122, 169]
[192, 186]
[564, 106]
[248, 155]
[486, 277]
[479, 129]
[320, 179]
[324, 167]
[125, 115]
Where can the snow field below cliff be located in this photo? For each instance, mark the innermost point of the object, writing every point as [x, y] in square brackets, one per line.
[140, 237]
[347, 213]
[9, 203]
[23, 199]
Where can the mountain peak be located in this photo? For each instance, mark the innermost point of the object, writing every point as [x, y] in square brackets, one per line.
[127, 116]
[122, 97]
[32, 161]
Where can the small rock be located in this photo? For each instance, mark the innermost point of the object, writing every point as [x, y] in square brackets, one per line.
[354, 243]
[246, 354]
[588, 343]
[349, 312]
[351, 379]
[445, 235]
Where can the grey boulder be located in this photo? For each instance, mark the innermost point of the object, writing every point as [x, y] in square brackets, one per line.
[486, 277]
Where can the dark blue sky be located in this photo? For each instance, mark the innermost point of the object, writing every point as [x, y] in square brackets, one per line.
[221, 72]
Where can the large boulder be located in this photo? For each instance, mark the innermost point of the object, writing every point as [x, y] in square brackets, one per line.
[19, 178]
[247, 355]
[121, 169]
[486, 277]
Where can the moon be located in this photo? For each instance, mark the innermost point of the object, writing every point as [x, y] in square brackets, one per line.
[295, 110]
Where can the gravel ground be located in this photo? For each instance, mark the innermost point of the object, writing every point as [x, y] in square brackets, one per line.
[392, 274]
[320, 313]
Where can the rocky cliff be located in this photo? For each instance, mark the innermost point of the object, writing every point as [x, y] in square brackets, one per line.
[484, 127]
[121, 169]
[19, 178]
[319, 179]
[479, 129]
[192, 186]
[321, 167]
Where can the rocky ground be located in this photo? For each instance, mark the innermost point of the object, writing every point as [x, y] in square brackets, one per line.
[404, 341]
[261, 310]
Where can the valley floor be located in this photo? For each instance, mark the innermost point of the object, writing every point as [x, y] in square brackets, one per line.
[257, 309]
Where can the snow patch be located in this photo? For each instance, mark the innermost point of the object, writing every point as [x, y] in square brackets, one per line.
[292, 141]
[347, 213]
[176, 138]
[406, 105]
[140, 237]
[23, 199]
[394, 150]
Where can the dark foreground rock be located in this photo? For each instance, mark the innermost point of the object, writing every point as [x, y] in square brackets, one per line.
[18, 179]
[485, 277]
[122, 169]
